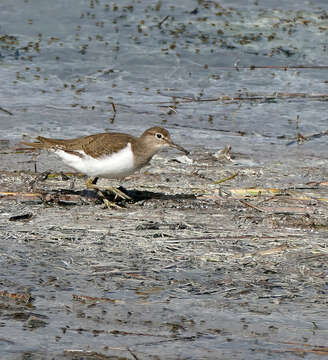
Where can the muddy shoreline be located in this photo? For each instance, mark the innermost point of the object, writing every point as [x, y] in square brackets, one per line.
[191, 269]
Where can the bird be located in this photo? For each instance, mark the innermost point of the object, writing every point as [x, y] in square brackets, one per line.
[110, 155]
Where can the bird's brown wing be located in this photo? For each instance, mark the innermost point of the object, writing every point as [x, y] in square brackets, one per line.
[106, 144]
[93, 145]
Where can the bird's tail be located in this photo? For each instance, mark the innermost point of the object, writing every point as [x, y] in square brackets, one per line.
[41, 144]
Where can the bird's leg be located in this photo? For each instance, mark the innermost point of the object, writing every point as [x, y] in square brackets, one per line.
[91, 184]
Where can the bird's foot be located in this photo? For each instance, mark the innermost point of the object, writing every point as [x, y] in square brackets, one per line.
[108, 204]
[118, 193]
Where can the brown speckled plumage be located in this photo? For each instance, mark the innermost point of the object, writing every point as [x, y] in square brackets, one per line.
[100, 145]
[110, 155]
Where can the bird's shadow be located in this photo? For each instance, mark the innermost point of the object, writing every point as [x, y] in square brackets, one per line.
[137, 195]
[69, 197]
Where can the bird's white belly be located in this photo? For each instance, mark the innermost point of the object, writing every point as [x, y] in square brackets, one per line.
[115, 165]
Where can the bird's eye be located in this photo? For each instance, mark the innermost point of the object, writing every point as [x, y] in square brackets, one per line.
[159, 136]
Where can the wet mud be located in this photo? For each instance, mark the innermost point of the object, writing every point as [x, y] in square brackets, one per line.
[212, 259]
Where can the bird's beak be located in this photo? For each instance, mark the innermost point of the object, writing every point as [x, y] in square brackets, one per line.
[179, 148]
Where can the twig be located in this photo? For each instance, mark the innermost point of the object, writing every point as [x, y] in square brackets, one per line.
[93, 354]
[22, 217]
[252, 206]
[250, 97]
[132, 354]
[15, 193]
[172, 109]
[86, 298]
[302, 138]
[226, 179]
[316, 349]
[281, 67]
[268, 199]
[162, 21]
[6, 111]
[112, 119]
[227, 238]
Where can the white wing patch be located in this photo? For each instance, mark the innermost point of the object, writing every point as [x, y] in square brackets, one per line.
[116, 165]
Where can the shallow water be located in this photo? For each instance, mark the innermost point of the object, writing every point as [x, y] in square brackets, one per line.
[63, 66]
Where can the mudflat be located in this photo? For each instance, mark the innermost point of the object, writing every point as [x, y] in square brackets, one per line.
[212, 259]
